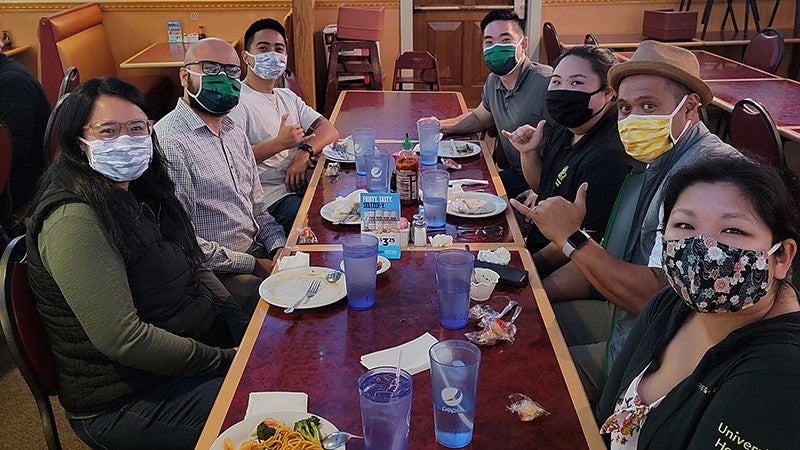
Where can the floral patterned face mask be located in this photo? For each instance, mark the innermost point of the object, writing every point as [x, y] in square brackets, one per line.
[712, 277]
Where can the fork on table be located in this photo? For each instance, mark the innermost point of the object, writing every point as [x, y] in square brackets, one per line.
[313, 288]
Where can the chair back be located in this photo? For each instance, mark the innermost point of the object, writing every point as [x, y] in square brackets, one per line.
[26, 338]
[424, 68]
[753, 132]
[765, 50]
[72, 78]
[288, 26]
[50, 147]
[552, 46]
[73, 38]
[590, 39]
[289, 80]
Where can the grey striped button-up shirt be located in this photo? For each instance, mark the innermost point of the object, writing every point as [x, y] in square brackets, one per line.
[216, 180]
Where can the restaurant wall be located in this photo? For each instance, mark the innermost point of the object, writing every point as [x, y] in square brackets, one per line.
[132, 25]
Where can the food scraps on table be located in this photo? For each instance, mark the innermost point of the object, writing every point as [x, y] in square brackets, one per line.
[526, 408]
[272, 434]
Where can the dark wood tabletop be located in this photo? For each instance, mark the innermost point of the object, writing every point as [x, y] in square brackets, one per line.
[779, 96]
[318, 351]
[712, 38]
[716, 67]
[393, 113]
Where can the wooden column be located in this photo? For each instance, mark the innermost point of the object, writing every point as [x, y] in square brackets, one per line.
[303, 21]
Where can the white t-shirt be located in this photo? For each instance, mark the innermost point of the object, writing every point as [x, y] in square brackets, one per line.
[260, 116]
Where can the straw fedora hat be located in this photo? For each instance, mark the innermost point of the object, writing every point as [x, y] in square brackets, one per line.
[664, 60]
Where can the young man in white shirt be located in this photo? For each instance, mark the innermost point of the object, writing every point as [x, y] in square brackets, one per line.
[285, 133]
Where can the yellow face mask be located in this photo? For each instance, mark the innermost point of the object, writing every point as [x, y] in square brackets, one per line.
[646, 137]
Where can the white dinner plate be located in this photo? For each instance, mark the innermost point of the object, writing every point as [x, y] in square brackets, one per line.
[287, 286]
[458, 204]
[332, 155]
[382, 260]
[327, 212]
[240, 432]
[456, 149]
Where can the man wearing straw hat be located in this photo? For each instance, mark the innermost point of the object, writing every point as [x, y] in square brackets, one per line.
[659, 96]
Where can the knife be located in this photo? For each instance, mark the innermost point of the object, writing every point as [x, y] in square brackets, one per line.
[467, 182]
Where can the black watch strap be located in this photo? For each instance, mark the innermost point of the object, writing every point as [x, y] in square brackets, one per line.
[306, 148]
[574, 242]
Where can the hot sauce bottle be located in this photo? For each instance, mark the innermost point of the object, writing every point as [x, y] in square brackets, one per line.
[407, 170]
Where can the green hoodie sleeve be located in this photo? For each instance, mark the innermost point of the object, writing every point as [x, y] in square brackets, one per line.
[91, 275]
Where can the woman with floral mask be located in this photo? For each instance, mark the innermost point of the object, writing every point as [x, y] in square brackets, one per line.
[714, 359]
[584, 147]
[141, 333]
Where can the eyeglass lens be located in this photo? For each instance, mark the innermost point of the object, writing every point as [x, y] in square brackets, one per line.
[213, 68]
[110, 130]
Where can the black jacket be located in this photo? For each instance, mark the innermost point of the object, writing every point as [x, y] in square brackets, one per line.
[744, 390]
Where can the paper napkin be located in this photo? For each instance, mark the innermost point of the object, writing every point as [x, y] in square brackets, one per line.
[415, 355]
[499, 255]
[299, 259]
[263, 403]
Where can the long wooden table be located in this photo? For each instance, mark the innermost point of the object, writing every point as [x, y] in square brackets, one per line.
[725, 38]
[16, 50]
[318, 351]
[159, 54]
[393, 113]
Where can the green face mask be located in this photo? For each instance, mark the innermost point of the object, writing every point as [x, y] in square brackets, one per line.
[501, 59]
[218, 94]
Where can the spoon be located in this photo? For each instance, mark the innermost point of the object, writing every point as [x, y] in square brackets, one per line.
[333, 277]
[337, 439]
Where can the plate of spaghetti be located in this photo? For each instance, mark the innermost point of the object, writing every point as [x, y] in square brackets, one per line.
[244, 435]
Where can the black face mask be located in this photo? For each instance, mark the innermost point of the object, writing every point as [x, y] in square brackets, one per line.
[571, 108]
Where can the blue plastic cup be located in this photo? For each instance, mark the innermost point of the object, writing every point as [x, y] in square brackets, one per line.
[385, 408]
[453, 273]
[378, 169]
[428, 132]
[434, 196]
[363, 143]
[454, 384]
[360, 268]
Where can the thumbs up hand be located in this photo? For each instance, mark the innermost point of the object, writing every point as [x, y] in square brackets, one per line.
[556, 217]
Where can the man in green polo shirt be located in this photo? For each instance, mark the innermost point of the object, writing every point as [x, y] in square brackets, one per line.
[514, 93]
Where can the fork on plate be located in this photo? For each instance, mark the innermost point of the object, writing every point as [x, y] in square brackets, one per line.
[313, 288]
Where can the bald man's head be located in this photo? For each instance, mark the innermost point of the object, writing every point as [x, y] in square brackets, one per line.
[211, 49]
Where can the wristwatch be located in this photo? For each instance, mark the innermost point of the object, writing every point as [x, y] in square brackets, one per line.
[306, 148]
[574, 242]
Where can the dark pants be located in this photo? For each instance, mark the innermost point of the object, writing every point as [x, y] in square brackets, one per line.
[514, 182]
[285, 210]
[169, 416]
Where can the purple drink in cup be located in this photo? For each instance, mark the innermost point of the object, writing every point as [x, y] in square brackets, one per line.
[385, 408]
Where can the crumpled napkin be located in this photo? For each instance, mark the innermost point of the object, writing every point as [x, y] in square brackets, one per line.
[261, 404]
[342, 206]
[415, 355]
[500, 255]
[299, 259]
[441, 240]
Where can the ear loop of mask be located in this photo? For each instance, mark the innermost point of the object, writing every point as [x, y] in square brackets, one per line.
[192, 72]
[672, 116]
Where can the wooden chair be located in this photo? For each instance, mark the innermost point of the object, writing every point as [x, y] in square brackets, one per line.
[552, 46]
[352, 65]
[289, 80]
[50, 147]
[753, 132]
[765, 50]
[26, 338]
[77, 37]
[424, 67]
[72, 78]
[590, 39]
